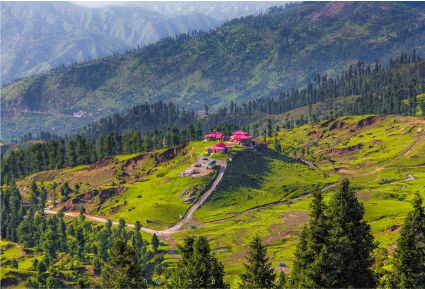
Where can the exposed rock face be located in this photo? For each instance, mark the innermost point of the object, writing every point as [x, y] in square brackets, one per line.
[102, 163]
[189, 194]
[345, 151]
[95, 197]
[368, 121]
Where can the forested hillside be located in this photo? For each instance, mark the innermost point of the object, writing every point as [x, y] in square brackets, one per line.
[396, 87]
[247, 58]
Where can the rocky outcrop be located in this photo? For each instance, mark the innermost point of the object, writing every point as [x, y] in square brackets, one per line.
[345, 151]
[102, 163]
[92, 197]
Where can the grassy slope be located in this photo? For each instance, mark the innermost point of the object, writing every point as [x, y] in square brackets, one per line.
[393, 149]
[151, 192]
[258, 178]
[386, 204]
[156, 197]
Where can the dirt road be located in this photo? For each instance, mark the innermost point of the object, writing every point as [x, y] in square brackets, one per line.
[166, 232]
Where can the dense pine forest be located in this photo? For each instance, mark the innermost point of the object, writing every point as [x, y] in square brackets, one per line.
[142, 118]
[380, 88]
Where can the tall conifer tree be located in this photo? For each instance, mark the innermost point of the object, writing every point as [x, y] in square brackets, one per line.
[409, 257]
[258, 269]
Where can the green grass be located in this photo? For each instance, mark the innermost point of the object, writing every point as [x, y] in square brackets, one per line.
[257, 178]
[76, 168]
[10, 276]
[122, 158]
[159, 196]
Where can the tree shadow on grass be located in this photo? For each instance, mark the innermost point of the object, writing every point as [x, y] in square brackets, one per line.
[249, 169]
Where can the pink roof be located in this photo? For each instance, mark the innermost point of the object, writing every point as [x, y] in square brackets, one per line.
[220, 146]
[215, 134]
[242, 137]
[240, 132]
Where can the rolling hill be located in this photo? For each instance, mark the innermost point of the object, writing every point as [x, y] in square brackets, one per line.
[243, 59]
[263, 191]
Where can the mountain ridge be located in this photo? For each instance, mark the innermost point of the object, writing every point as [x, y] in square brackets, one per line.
[47, 35]
[244, 59]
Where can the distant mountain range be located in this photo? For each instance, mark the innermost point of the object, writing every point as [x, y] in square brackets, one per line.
[243, 59]
[38, 36]
[221, 10]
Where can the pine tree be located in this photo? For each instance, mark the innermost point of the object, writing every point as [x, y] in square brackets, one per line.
[104, 237]
[137, 240]
[123, 270]
[277, 145]
[409, 257]
[198, 267]
[65, 191]
[309, 263]
[258, 269]
[155, 242]
[350, 243]
[12, 211]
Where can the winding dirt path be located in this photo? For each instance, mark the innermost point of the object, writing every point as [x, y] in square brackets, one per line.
[166, 232]
[349, 172]
[272, 204]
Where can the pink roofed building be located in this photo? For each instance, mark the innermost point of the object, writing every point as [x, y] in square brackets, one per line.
[220, 148]
[215, 135]
[241, 137]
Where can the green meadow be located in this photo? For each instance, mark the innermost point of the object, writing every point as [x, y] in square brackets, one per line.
[263, 192]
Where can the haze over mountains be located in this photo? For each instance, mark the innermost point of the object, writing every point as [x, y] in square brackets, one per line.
[38, 36]
[221, 10]
[243, 59]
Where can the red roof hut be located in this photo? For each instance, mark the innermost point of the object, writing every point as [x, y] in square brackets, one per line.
[215, 135]
[241, 137]
[220, 148]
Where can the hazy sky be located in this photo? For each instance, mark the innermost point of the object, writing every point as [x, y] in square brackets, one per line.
[221, 10]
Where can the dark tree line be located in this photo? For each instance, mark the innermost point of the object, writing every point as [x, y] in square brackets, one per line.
[382, 89]
[79, 149]
[82, 241]
[142, 118]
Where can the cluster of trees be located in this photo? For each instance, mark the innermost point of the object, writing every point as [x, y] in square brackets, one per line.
[382, 89]
[79, 149]
[335, 250]
[75, 243]
[142, 118]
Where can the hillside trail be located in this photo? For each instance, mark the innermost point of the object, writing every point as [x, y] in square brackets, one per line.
[382, 166]
[272, 204]
[169, 231]
[207, 193]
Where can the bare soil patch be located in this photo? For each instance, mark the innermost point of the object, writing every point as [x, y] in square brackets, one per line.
[295, 219]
